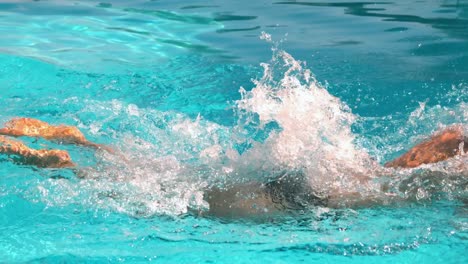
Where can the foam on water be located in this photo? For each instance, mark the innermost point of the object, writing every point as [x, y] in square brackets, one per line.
[160, 166]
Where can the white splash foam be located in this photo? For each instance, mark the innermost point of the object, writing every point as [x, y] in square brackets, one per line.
[315, 134]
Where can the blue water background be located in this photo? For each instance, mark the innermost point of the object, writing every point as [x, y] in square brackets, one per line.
[73, 61]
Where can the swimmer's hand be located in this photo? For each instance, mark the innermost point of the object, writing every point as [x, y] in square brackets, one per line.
[41, 158]
[441, 146]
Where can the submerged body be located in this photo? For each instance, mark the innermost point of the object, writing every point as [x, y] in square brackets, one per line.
[240, 200]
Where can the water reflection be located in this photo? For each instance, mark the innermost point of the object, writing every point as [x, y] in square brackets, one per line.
[454, 26]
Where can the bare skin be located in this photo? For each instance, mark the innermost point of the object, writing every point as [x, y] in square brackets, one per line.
[30, 127]
[441, 146]
[41, 158]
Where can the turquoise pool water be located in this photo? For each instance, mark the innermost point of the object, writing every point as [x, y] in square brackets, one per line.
[203, 93]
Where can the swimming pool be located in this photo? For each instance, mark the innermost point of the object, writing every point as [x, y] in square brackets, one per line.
[207, 92]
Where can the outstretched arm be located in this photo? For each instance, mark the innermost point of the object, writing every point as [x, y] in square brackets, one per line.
[35, 128]
[41, 158]
[441, 146]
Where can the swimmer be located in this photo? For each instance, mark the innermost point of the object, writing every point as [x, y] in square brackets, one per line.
[242, 200]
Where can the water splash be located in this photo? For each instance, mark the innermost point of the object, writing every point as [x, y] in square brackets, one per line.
[168, 160]
[315, 127]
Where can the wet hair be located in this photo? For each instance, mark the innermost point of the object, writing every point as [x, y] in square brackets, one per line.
[292, 192]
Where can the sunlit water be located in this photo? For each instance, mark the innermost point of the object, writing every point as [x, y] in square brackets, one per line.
[201, 94]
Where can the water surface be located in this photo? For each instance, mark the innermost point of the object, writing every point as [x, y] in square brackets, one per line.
[161, 80]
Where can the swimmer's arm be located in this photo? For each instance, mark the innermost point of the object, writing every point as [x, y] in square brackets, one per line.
[40, 158]
[439, 147]
[35, 128]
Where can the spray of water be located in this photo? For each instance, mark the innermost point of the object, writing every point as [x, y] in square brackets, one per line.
[172, 159]
[315, 127]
